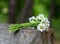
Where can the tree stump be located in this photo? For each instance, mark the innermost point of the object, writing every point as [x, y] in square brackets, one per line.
[25, 36]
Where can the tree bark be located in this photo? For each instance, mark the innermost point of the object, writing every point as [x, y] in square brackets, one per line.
[12, 11]
[25, 36]
[26, 11]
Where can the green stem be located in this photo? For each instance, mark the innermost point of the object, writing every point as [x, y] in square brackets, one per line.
[15, 27]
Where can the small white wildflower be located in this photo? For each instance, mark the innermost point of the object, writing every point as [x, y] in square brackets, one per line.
[46, 22]
[41, 27]
[47, 26]
[40, 17]
[32, 19]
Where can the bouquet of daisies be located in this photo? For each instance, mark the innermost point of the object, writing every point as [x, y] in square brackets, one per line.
[39, 22]
[43, 22]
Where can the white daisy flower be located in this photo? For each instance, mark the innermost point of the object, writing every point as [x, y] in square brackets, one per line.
[46, 22]
[40, 17]
[32, 19]
[41, 27]
[47, 26]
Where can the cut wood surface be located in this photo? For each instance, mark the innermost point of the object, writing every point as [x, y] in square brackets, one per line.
[25, 36]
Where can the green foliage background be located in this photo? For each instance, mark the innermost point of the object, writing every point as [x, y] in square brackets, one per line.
[3, 15]
[40, 6]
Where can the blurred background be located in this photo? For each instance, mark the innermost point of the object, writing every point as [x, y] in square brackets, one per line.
[18, 11]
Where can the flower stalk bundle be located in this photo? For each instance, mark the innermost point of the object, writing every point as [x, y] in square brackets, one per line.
[39, 22]
[15, 27]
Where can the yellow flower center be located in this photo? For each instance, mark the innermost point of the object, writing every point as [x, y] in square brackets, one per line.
[41, 27]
